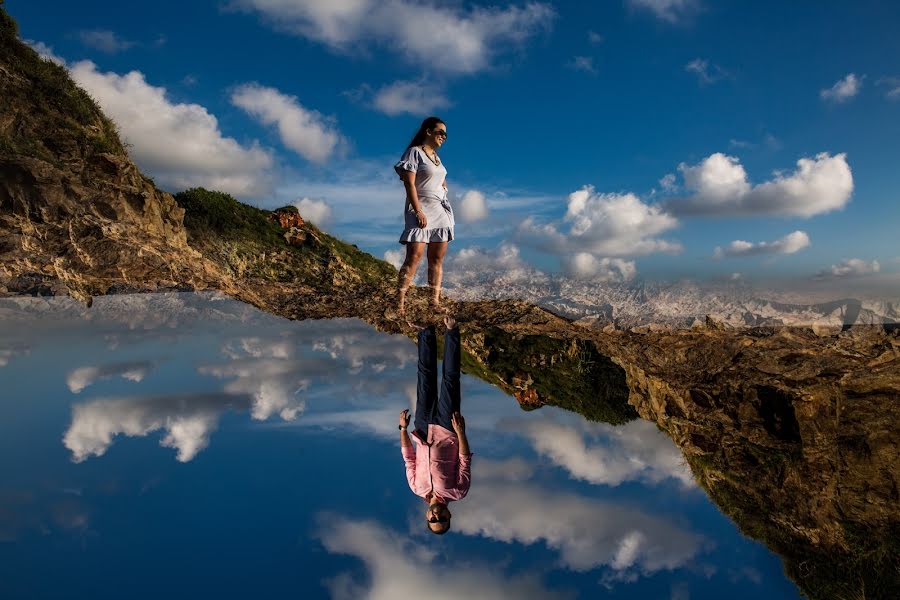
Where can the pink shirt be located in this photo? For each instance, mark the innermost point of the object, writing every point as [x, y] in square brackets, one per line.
[437, 466]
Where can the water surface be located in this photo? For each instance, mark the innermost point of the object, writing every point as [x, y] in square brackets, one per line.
[186, 445]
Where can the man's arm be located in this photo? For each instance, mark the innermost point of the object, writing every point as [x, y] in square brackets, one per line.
[408, 450]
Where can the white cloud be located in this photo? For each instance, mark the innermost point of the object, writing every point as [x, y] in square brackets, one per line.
[399, 568]
[849, 267]
[594, 37]
[439, 37]
[587, 533]
[473, 207]
[789, 244]
[584, 64]
[104, 40]
[720, 187]
[706, 73]
[82, 377]
[305, 131]
[13, 350]
[187, 422]
[604, 225]
[314, 211]
[893, 87]
[671, 11]
[395, 257]
[584, 265]
[606, 454]
[667, 182]
[843, 90]
[502, 265]
[178, 144]
[45, 52]
[419, 98]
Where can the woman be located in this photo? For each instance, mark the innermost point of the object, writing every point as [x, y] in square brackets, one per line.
[437, 458]
[428, 216]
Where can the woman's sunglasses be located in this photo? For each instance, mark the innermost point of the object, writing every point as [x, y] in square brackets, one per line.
[438, 519]
[442, 132]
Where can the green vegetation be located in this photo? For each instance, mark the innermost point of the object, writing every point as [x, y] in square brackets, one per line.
[44, 109]
[570, 374]
[208, 213]
[249, 242]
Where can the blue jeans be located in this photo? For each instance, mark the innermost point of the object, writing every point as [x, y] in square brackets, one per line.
[433, 406]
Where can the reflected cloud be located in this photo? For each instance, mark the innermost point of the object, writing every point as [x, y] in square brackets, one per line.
[606, 454]
[398, 568]
[82, 377]
[11, 351]
[587, 533]
[187, 420]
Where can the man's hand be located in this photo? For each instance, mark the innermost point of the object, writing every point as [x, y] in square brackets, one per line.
[459, 423]
[404, 418]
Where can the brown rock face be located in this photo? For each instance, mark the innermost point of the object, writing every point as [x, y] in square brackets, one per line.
[288, 220]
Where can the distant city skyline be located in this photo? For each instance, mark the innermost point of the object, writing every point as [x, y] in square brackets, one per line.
[618, 141]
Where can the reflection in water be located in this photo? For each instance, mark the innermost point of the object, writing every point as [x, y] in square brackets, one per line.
[299, 419]
[399, 569]
[437, 457]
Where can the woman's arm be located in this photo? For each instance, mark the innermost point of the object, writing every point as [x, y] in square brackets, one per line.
[412, 197]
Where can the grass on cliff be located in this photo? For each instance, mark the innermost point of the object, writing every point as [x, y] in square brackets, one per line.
[45, 109]
[570, 375]
[247, 239]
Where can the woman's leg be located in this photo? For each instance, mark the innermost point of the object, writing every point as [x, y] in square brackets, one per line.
[450, 400]
[414, 251]
[426, 388]
[436, 252]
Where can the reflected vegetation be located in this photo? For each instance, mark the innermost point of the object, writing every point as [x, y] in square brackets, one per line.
[559, 505]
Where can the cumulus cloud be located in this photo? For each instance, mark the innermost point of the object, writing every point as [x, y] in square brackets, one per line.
[395, 257]
[720, 186]
[82, 377]
[587, 533]
[315, 211]
[849, 267]
[501, 265]
[398, 568]
[604, 225]
[706, 73]
[473, 207]
[789, 244]
[606, 454]
[467, 42]
[187, 420]
[667, 182]
[671, 11]
[305, 131]
[843, 90]
[104, 40]
[178, 144]
[583, 265]
[419, 98]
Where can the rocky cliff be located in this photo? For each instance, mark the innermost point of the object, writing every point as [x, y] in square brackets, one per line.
[793, 434]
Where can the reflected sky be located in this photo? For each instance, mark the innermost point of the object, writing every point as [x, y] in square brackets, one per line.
[186, 445]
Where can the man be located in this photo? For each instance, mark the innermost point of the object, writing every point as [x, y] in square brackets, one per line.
[437, 458]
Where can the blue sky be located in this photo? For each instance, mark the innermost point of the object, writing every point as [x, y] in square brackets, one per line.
[279, 102]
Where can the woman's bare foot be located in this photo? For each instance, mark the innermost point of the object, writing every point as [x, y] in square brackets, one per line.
[437, 307]
[401, 302]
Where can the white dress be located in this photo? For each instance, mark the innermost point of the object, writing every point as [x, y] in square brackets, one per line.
[432, 198]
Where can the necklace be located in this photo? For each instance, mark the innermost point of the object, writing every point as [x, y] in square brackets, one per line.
[434, 159]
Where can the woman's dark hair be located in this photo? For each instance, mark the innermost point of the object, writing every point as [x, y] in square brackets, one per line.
[420, 136]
